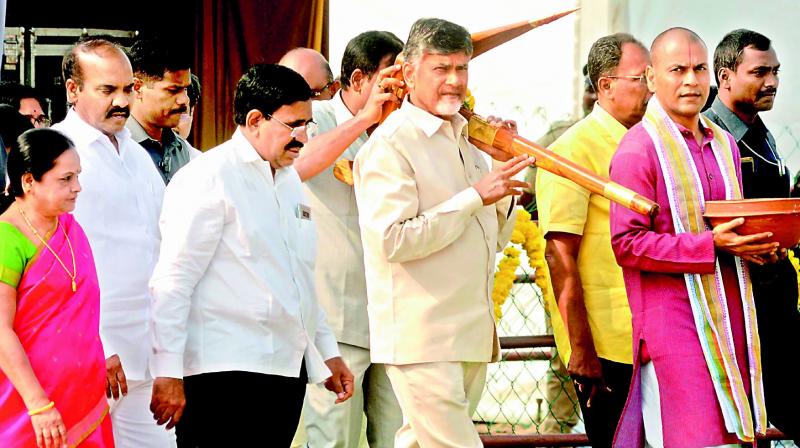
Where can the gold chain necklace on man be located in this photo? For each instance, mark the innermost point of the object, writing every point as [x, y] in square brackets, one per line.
[72, 275]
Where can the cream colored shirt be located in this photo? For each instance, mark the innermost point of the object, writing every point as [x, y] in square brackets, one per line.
[564, 206]
[429, 243]
[339, 271]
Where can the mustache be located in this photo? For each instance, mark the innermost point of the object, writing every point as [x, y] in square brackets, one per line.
[180, 110]
[771, 91]
[294, 144]
[119, 110]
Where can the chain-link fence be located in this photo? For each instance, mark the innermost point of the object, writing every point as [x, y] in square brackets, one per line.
[529, 392]
[787, 139]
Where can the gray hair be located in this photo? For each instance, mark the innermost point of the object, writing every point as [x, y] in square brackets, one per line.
[605, 54]
[436, 36]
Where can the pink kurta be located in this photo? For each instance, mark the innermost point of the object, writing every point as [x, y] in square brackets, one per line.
[653, 261]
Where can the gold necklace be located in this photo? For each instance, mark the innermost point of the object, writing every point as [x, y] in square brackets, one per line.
[72, 275]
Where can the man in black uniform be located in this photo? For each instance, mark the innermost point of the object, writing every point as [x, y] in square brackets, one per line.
[746, 68]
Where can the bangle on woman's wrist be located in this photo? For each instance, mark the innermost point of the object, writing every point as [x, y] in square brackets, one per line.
[46, 407]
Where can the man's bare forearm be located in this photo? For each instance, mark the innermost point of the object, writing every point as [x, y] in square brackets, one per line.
[562, 258]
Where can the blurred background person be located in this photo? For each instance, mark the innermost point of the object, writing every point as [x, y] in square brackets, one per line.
[12, 125]
[314, 68]
[185, 125]
[27, 101]
[162, 76]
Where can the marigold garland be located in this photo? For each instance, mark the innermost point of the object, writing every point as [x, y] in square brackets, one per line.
[796, 264]
[504, 278]
[469, 101]
[526, 234]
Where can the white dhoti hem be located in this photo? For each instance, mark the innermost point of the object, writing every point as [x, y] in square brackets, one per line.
[132, 420]
[651, 410]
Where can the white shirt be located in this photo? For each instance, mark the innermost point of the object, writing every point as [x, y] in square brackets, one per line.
[339, 272]
[118, 209]
[234, 288]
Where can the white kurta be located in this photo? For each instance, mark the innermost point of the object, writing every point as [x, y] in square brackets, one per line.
[342, 292]
[339, 272]
[118, 208]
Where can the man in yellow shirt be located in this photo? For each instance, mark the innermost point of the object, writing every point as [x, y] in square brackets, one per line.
[593, 325]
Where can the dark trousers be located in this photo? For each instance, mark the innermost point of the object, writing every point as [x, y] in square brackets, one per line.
[240, 409]
[602, 418]
[775, 294]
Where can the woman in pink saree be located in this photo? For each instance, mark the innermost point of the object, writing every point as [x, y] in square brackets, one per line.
[52, 368]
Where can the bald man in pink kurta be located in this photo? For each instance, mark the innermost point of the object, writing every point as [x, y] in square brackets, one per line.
[653, 260]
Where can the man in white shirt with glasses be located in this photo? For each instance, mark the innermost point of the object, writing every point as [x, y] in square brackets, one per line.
[237, 329]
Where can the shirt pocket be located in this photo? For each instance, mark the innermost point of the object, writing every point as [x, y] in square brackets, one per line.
[304, 240]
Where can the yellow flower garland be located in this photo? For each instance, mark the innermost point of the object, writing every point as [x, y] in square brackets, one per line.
[526, 233]
[469, 101]
[504, 278]
[796, 264]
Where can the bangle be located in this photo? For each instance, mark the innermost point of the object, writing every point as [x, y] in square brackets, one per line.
[46, 407]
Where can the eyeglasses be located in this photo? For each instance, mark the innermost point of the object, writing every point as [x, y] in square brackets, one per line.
[316, 93]
[298, 131]
[641, 78]
[40, 121]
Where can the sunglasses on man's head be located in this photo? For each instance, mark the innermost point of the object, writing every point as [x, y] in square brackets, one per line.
[41, 120]
[316, 93]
